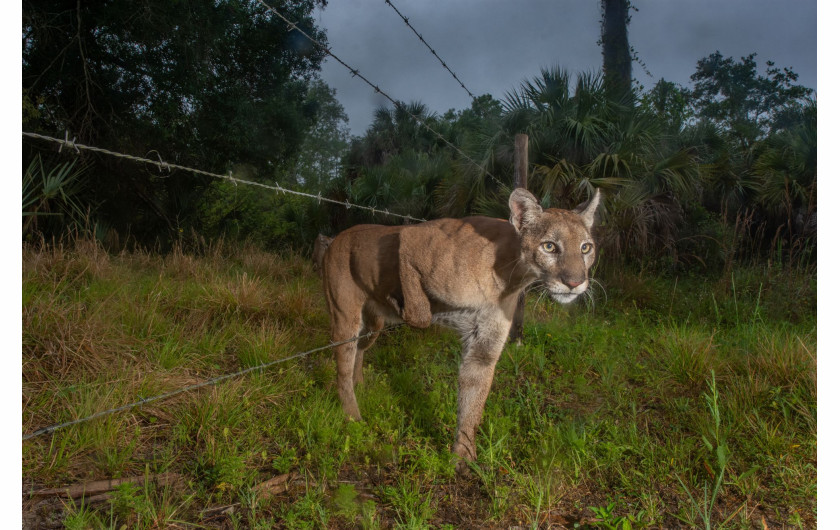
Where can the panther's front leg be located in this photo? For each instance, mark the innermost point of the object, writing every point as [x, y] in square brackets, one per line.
[483, 341]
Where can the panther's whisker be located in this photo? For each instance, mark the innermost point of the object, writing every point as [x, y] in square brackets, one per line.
[590, 300]
[600, 286]
[516, 263]
[534, 286]
[540, 297]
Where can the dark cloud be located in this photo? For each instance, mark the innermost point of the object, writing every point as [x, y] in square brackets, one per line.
[494, 45]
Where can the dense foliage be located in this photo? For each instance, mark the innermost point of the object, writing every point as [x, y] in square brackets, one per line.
[695, 177]
[218, 85]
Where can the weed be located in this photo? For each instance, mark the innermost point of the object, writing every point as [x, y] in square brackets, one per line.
[285, 460]
[310, 511]
[82, 517]
[413, 508]
[114, 460]
[716, 446]
[492, 467]
[606, 519]
[538, 491]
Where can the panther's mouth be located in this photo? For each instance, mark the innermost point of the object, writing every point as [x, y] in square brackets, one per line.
[563, 298]
[563, 294]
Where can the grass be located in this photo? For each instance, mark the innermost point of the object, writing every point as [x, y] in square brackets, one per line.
[673, 402]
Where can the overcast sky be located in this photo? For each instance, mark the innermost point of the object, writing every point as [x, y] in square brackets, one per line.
[493, 45]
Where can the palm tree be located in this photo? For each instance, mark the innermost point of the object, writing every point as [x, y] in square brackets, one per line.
[785, 178]
[404, 184]
[397, 129]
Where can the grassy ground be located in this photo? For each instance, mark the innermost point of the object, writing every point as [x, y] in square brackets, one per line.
[672, 402]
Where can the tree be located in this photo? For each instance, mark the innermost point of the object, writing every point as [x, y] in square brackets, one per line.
[398, 162]
[318, 164]
[207, 84]
[746, 104]
[670, 103]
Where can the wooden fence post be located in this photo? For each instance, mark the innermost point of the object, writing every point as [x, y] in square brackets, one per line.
[520, 180]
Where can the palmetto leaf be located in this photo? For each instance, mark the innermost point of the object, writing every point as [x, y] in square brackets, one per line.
[786, 172]
[51, 191]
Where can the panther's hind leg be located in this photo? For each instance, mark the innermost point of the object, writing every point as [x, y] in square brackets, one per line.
[372, 322]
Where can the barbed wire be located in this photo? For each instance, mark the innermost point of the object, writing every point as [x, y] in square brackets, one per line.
[356, 73]
[213, 381]
[419, 36]
[161, 164]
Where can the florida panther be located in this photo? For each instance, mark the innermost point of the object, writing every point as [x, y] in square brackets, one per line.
[462, 273]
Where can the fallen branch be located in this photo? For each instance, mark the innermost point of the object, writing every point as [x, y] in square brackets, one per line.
[98, 487]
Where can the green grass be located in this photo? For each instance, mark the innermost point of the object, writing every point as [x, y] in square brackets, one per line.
[669, 402]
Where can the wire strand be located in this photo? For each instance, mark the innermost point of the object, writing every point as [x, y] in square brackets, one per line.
[229, 177]
[419, 36]
[208, 382]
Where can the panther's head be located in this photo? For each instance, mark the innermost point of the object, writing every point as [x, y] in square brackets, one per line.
[557, 244]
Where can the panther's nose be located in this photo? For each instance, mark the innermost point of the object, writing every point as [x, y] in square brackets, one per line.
[572, 283]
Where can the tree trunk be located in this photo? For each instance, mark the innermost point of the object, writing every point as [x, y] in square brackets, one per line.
[615, 47]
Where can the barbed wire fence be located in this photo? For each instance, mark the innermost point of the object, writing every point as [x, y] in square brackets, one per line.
[169, 167]
[161, 164]
[419, 36]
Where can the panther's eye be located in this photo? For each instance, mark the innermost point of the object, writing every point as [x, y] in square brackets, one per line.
[586, 248]
[549, 247]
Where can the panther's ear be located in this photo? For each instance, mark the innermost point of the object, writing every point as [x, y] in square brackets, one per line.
[587, 211]
[524, 208]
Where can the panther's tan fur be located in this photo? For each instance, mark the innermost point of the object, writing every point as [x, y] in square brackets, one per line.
[462, 273]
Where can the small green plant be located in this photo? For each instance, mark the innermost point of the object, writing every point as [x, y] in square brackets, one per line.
[113, 459]
[606, 519]
[492, 467]
[717, 447]
[128, 501]
[309, 512]
[370, 517]
[82, 517]
[285, 461]
[344, 499]
[538, 492]
[414, 508]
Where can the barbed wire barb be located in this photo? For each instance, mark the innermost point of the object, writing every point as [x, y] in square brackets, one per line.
[209, 382]
[419, 36]
[162, 164]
